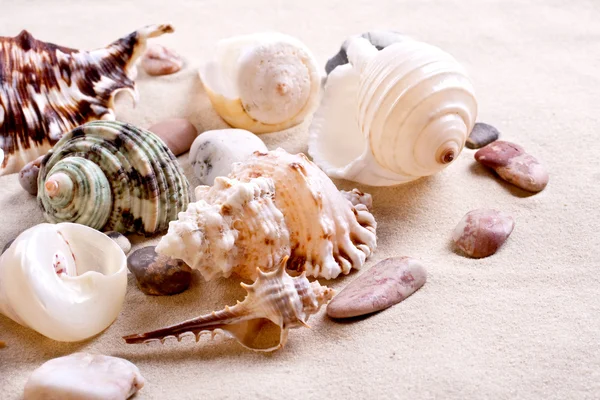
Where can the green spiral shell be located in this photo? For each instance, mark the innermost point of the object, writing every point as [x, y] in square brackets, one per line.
[112, 176]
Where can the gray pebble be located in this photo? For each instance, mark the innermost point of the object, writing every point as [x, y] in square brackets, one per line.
[157, 274]
[28, 176]
[121, 240]
[482, 135]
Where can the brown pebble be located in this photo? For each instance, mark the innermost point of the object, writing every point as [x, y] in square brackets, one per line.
[481, 232]
[514, 165]
[177, 133]
[2, 344]
[28, 176]
[387, 283]
[159, 60]
[6, 246]
[482, 135]
[121, 240]
[157, 274]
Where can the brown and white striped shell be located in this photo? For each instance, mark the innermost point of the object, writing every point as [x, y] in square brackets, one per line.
[47, 90]
[272, 205]
[275, 303]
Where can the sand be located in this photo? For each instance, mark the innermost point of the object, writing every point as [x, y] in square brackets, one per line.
[523, 323]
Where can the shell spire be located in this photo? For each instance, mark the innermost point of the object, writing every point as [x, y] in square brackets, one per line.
[47, 90]
[274, 301]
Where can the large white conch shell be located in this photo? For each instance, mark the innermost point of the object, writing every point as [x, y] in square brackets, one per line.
[264, 82]
[66, 281]
[394, 115]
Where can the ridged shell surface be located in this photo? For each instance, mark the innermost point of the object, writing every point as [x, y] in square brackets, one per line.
[112, 176]
[47, 90]
[295, 210]
[394, 115]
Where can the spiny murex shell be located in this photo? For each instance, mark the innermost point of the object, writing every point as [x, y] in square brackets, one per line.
[394, 115]
[47, 90]
[274, 300]
[65, 281]
[264, 82]
[272, 205]
[112, 176]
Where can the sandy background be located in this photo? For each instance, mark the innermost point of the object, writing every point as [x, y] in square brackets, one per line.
[524, 323]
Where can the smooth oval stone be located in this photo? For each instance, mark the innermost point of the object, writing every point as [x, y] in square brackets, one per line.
[2, 344]
[481, 232]
[121, 240]
[159, 60]
[6, 246]
[177, 133]
[157, 274]
[514, 165]
[482, 135]
[28, 176]
[387, 283]
[84, 376]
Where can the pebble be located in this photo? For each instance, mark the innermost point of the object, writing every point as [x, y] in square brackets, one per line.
[159, 60]
[157, 274]
[482, 135]
[214, 152]
[121, 240]
[6, 246]
[514, 165]
[2, 344]
[177, 133]
[387, 283]
[481, 232]
[84, 376]
[28, 176]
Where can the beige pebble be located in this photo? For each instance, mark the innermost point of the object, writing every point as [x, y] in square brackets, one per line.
[159, 60]
[177, 133]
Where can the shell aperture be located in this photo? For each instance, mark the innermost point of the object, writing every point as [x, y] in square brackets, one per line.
[47, 90]
[65, 281]
[112, 176]
[412, 108]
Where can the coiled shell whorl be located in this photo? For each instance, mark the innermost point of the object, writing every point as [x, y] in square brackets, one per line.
[112, 176]
[46, 90]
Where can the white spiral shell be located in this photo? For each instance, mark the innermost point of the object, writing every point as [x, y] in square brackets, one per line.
[392, 116]
[264, 82]
[66, 281]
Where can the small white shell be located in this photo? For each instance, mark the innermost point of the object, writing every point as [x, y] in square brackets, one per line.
[264, 82]
[213, 152]
[84, 376]
[66, 281]
[394, 115]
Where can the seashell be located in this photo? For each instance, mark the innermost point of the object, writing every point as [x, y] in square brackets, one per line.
[112, 176]
[274, 204]
[82, 376]
[158, 275]
[380, 39]
[392, 116]
[264, 82]
[47, 90]
[275, 302]
[160, 60]
[65, 281]
[214, 152]
[480, 233]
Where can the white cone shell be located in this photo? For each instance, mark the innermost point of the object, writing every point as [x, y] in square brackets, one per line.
[392, 116]
[67, 307]
[213, 152]
[264, 82]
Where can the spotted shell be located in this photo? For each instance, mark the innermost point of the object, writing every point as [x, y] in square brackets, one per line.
[112, 176]
[47, 90]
